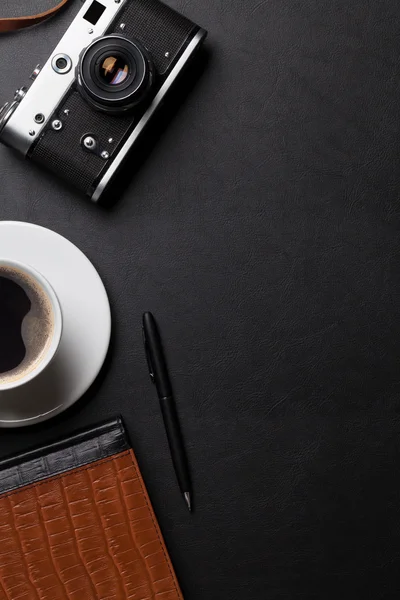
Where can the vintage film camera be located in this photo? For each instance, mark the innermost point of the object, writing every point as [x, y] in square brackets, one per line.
[93, 99]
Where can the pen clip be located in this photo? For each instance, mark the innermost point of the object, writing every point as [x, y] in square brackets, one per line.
[148, 357]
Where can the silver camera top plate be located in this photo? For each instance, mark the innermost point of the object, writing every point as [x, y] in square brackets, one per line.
[22, 129]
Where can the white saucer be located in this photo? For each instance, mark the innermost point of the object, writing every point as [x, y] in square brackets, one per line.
[86, 324]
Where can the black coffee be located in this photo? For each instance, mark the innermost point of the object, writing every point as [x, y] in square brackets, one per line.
[26, 324]
[14, 306]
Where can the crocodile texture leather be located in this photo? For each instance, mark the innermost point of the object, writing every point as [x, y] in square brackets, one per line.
[88, 534]
[74, 451]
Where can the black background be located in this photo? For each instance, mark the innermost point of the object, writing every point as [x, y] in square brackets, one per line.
[263, 231]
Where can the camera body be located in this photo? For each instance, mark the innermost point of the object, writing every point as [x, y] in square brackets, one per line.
[93, 99]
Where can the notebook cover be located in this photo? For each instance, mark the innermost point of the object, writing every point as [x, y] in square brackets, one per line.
[76, 523]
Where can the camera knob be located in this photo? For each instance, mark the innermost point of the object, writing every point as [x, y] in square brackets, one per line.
[6, 112]
[20, 94]
[35, 72]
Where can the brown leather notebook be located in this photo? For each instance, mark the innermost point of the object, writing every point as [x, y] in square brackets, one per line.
[76, 523]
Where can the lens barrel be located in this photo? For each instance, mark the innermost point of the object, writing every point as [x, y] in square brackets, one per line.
[115, 73]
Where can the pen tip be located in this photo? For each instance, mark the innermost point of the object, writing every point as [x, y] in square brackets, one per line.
[188, 500]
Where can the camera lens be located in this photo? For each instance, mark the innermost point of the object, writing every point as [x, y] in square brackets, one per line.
[115, 74]
[61, 63]
[114, 70]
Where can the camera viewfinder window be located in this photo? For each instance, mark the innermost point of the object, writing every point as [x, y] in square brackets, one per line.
[94, 13]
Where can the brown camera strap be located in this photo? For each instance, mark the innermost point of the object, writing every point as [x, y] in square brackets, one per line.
[14, 23]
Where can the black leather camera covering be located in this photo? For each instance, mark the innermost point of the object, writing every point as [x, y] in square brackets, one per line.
[163, 31]
[263, 232]
[61, 151]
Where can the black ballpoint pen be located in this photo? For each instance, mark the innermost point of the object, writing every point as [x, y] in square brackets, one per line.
[159, 376]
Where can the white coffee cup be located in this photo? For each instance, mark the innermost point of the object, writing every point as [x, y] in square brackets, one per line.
[44, 319]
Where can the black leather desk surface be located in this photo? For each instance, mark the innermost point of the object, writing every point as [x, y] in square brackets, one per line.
[263, 231]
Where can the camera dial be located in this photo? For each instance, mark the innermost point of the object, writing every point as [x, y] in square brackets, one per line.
[5, 113]
[115, 74]
[20, 94]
